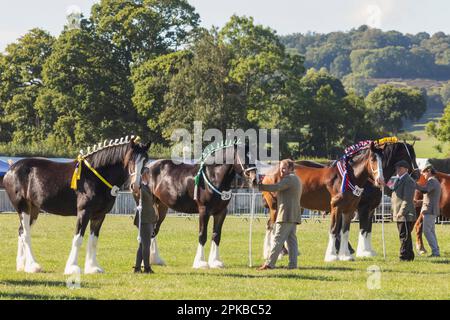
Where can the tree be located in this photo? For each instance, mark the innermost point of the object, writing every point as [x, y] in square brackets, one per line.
[441, 128]
[20, 83]
[143, 29]
[86, 97]
[389, 106]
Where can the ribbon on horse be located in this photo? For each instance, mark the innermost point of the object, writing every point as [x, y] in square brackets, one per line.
[77, 175]
[344, 167]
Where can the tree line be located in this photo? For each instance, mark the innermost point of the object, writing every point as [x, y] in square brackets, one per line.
[146, 67]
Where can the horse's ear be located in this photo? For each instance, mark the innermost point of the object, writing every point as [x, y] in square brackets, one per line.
[373, 148]
[147, 146]
[414, 142]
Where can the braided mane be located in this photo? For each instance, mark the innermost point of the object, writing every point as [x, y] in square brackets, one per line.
[105, 153]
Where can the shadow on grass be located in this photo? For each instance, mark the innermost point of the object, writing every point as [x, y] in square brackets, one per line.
[445, 261]
[32, 296]
[263, 275]
[45, 283]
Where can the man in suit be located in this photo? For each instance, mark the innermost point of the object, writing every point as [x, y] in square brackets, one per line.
[403, 209]
[289, 191]
[430, 207]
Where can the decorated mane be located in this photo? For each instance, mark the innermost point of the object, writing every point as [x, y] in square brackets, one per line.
[210, 149]
[108, 153]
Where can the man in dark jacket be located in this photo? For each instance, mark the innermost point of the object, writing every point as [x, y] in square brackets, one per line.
[144, 220]
[403, 209]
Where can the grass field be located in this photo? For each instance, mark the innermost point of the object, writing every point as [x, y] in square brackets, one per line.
[425, 278]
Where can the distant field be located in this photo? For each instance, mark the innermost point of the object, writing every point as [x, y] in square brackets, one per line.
[422, 279]
[425, 147]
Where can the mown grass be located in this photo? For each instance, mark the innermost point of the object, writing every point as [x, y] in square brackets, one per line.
[424, 278]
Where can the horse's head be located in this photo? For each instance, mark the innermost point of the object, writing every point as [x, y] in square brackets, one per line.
[136, 158]
[245, 163]
[375, 165]
[393, 153]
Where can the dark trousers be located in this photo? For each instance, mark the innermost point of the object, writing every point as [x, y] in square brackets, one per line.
[406, 247]
[143, 252]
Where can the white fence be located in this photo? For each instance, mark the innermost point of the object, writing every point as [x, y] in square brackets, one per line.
[240, 205]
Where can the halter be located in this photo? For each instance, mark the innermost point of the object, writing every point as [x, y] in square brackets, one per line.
[350, 152]
[224, 195]
[410, 158]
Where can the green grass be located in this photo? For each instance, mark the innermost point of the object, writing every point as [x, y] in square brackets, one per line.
[424, 278]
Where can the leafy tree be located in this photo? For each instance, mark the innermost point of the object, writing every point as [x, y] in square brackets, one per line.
[20, 83]
[389, 106]
[441, 128]
[144, 29]
[86, 97]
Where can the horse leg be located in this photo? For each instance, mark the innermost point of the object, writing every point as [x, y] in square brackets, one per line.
[155, 258]
[91, 265]
[364, 249]
[20, 260]
[331, 253]
[31, 266]
[344, 252]
[199, 260]
[214, 258]
[72, 262]
[418, 227]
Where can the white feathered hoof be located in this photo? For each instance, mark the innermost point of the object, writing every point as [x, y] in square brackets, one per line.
[366, 254]
[155, 260]
[93, 270]
[200, 265]
[72, 269]
[346, 257]
[33, 268]
[331, 258]
[20, 265]
[216, 264]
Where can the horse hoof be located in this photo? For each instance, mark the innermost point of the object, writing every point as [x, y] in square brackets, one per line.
[216, 264]
[33, 268]
[72, 269]
[20, 266]
[93, 270]
[200, 265]
[366, 254]
[346, 257]
[331, 258]
[158, 262]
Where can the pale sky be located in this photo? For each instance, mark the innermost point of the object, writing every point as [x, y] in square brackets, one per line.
[285, 16]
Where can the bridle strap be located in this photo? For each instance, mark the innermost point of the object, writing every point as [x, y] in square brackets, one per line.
[242, 165]
[410, 158]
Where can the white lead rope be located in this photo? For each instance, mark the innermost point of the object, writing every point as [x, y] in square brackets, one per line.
[382, 222]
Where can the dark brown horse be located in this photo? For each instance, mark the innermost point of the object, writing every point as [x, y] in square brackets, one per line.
[36, 184]
[174, 187]
[444, 205]
[369, 201]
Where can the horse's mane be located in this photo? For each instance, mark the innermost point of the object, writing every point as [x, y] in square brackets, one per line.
[105, 154]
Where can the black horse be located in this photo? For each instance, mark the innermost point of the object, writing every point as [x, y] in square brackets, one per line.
[85, 188]
[174, 186]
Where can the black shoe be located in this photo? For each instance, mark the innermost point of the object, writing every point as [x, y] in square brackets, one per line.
[148, 270]
[137, 270]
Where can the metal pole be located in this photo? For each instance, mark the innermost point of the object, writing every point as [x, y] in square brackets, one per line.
[382, 222]
[252, 212]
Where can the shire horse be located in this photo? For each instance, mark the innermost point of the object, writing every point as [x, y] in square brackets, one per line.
[315, 188]
[203, 188]
[444, 205]
[72, 189]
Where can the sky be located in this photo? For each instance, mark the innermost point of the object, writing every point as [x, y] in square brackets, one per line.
[284, 16]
